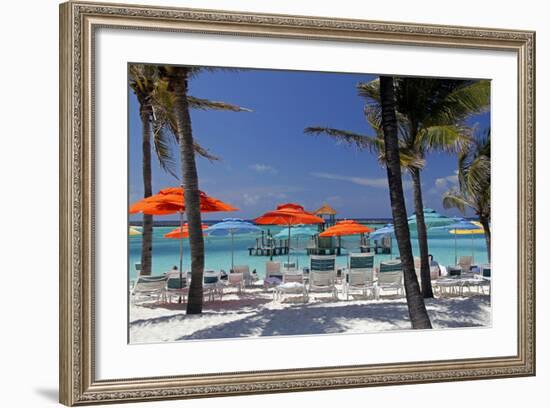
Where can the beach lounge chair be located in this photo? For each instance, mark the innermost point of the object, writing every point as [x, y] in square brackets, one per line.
[360, 274]
[245, 270]
[293, 276]
[137, 267]
[149, 287]
[273, 275]
[212, 285]
[176, 287]
[390, 277]
[480, 281]
[293, 283]
[289, 266]
[465, 263]
[322, 275]
[236, 280]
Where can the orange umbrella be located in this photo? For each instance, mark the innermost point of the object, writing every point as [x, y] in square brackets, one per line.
[171, 200]
[182, 232]
[288, 214]
[346, 227]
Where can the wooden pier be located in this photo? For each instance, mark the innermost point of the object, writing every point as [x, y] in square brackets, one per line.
[268, 246]
[268, 251]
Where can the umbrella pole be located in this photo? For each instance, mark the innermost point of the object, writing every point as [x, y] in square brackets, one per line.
[455, 247]
[288, 260]
[232, 249]
[472, 247]
[181, 255]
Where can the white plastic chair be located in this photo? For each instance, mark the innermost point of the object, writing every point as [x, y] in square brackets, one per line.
[389, 277]
[360, 274]
[149, 287]
[245, 270]
[236, 279]
[212, 285]
[322, 275]
[176, 287]
[273, 275]
[465, 263]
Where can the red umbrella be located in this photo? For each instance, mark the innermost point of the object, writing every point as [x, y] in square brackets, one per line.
[288, 214]
[171, 200]
[346, 227]
[182, 232]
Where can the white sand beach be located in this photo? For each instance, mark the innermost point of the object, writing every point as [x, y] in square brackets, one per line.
[254, 313]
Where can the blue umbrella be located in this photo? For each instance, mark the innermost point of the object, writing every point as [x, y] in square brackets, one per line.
[232, 227]
[382, 232]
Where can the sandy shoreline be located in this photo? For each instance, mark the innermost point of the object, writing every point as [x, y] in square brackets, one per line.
[254, 313]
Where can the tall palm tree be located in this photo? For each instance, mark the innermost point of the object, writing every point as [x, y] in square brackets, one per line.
[429, 114]
[177, 103]
[142, 83]
[433, 110]
[157, 115]
[474, 182]
[417, 309]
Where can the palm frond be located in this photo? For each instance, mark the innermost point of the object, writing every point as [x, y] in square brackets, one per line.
[468, 99]
[204, 153]
[205, 104]
[370, 91]
[454, 199]
[446, 138]
[477, 176]
[362, 142]
[163, 150]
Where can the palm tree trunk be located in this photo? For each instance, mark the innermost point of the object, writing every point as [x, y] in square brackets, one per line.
[415, 303]
[147, 233]
[179, 82]
[425, 275]
[485, 222]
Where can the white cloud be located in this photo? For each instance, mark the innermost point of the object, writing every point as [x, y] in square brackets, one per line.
[445, 183]
[381, 182]
[263, 168]
[251, 199]
[254, 196]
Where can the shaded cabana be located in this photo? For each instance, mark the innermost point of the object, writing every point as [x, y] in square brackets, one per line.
[327, 213]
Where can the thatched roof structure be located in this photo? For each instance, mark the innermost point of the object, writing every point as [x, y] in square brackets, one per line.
[325, 210]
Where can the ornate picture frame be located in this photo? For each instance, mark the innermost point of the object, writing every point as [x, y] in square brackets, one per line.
[78, 25]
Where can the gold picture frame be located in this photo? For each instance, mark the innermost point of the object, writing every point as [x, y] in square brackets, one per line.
[78, 22]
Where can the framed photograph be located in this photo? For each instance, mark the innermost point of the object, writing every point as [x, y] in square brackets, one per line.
[256, 203]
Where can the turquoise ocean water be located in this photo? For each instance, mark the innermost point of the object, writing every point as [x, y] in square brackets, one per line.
[218, 250]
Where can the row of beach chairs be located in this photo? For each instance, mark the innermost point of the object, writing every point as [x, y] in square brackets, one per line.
[322, 276]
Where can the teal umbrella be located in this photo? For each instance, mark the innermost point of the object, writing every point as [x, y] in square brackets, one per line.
[296, 231]
[432, 219]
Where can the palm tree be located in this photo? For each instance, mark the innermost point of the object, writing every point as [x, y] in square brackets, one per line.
[474, 182]
[142, 84]
[175, 114]
[157, 115]
[429, 112]
[417, 309]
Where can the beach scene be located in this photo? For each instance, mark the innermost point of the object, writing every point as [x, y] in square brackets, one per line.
[282, 203]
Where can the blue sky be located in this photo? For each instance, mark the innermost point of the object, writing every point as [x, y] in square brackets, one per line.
[266, 159]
